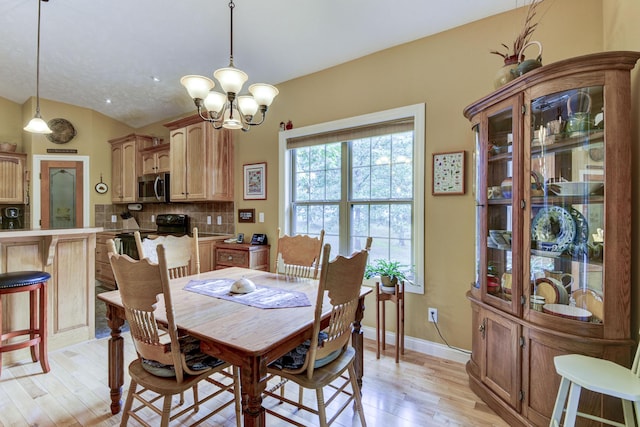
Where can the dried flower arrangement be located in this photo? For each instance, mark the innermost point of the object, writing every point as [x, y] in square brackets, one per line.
[525, 35]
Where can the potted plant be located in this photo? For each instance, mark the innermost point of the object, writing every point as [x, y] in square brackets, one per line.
[389, 271]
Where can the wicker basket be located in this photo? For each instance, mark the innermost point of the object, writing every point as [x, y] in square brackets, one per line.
[8, 147]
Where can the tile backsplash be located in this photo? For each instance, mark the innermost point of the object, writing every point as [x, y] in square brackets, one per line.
[197, 212]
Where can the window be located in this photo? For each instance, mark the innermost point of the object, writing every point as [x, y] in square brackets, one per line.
[359, 177]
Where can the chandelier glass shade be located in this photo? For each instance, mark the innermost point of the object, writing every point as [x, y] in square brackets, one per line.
[37, 124]
[229, 109]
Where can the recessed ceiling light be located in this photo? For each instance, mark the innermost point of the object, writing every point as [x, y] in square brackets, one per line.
[107, 101]
[155, 79]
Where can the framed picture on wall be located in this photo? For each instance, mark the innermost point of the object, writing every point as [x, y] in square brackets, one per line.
[255, 181]
[448, 173]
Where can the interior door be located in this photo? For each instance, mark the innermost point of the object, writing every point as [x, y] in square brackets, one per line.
[61, 194]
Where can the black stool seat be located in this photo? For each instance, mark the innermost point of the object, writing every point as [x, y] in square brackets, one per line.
[35, 335]
[22, 278]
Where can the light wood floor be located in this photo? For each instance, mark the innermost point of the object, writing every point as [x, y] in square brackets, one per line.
[419, 391]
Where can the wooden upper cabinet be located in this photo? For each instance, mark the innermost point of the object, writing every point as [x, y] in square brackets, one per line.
[155, 160]
[201, 161]
[12, 168]
[124, 169]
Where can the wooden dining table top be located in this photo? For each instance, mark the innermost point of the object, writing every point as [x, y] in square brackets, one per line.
[248, 329]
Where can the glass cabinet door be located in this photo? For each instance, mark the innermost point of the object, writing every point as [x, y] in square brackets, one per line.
[566, 206]
[497, 214]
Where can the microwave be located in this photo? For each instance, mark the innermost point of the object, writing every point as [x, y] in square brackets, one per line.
[154, 188]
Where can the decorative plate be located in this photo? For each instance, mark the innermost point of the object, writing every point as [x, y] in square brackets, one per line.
[63, 131]
[553, 228]
[579, 245]
[101, 187]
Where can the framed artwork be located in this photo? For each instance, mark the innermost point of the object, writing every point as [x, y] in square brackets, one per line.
[255, 181]
[448, 173]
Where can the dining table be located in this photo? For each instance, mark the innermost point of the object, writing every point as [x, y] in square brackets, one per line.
[249, 337]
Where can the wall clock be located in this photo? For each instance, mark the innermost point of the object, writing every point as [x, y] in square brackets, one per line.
[63, 131]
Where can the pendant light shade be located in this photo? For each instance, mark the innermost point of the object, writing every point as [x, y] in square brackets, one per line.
[37, 124]
[229, 110]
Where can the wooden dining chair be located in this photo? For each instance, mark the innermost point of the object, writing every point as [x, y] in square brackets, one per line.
[182, 253]
[328, 355]
[299, 255]
[167, 364]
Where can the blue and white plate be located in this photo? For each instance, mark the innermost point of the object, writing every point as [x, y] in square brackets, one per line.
[554, 229]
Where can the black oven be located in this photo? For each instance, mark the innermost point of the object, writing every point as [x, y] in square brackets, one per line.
[167, 224]
[154, 188]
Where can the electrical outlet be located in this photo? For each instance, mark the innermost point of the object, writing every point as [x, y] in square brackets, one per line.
[261, 217]
[114, 218]
[433, 315]
[208, 219]
[153, 218]
[219, 220]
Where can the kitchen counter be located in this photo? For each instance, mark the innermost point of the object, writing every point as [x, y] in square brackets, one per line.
[69, 256]
[5, 234]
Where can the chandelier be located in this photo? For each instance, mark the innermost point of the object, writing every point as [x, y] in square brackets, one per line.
[37, 124]
[228, 110]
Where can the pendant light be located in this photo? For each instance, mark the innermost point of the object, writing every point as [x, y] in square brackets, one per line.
[37, 124]
[228, 110]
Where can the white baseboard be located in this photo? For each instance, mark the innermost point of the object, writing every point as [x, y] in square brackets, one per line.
[422, 346]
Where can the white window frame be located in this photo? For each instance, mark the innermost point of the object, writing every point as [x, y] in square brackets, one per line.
[417, 112]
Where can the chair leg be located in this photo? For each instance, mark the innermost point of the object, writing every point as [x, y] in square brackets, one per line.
[322, 410]
[627, 409]
[166, 411]
[357, 395]
[42, 321]
[33, 324]
[238, 396]
[196, 400]
[300, 395]
[572, 405]
[128, 403]
[556, 416]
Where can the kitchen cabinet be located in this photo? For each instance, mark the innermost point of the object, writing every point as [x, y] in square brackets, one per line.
[155, 159]
[12, 170]
[244, 255]
[201, 161]
[104, 273]
[124, 159]
[553, 214]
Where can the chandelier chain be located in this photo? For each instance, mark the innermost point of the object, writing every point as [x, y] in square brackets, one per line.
[231, 6]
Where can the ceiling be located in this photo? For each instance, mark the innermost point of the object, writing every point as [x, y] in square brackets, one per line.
[96, 50]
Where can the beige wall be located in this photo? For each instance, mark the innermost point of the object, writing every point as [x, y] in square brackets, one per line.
[623, 33]
[447, 71]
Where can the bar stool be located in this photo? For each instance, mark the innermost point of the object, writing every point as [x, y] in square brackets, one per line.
[33, 282]
[397, 297]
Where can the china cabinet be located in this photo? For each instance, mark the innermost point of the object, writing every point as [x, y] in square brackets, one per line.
[553, 238]
[201, 161]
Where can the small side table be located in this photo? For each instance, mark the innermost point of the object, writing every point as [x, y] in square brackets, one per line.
[397, 297]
